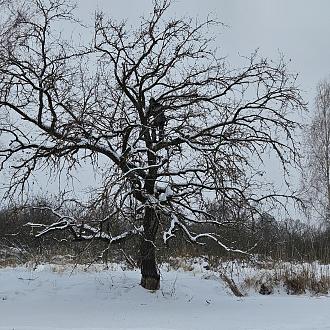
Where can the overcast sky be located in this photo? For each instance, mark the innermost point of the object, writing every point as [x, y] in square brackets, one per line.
[298, 29]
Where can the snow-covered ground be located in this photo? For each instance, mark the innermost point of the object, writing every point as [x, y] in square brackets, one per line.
[53, 297]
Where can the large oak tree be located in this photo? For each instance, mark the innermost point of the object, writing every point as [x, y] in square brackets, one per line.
[62, 103]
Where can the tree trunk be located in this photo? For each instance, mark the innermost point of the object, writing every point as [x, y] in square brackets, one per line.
[150, 279]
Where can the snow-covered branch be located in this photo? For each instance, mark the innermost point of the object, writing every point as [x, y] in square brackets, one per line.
[80, 230]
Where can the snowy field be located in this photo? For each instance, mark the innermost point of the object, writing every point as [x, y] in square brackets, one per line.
[53, 298]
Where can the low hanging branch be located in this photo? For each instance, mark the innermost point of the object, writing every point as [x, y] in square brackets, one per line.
[82, 231]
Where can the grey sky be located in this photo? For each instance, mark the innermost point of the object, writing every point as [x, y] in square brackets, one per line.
[299, 29]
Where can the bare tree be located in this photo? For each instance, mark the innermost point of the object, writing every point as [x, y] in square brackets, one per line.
[66, 104]
[316, 177]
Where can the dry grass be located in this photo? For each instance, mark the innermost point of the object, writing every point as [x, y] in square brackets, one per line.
[294, 278]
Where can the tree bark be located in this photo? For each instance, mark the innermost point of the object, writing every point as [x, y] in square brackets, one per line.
[150, 279]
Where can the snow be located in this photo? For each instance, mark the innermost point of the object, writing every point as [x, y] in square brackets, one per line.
[55, 297]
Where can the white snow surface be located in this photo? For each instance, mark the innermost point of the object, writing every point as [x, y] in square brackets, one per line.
[55, 297]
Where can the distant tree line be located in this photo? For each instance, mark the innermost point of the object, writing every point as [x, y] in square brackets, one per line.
[261, 236]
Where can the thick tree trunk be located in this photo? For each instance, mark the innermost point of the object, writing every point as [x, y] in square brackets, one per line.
[150, 275]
